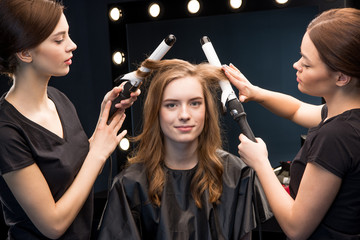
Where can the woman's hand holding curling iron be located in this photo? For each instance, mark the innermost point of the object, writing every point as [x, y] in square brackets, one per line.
[107, 129]
[112, 95]
[254, 154]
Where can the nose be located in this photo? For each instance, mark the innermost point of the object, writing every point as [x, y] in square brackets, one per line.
[71, 46]
[184, 114]
[297, 66]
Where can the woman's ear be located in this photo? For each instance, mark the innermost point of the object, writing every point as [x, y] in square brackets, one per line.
[343, 80]
[24, 56]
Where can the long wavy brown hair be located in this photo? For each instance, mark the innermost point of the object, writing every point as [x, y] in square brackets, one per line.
[150, 148]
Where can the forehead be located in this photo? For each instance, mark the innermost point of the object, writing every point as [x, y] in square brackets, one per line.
[183, 87]
[308, 48]
[62, 26]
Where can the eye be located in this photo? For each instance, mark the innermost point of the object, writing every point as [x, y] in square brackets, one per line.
[170, 105]
[196, 103]
[304, 65]
[59, 41]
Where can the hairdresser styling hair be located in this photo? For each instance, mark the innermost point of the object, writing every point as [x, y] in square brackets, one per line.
[47, 163]
[325, 174]
[179, 183]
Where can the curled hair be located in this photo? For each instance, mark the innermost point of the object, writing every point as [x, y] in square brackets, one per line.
[24, 24]
[336, 35]
[150, 149]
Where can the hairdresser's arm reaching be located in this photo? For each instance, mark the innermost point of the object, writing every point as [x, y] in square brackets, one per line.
[304, 114]
[297, 217]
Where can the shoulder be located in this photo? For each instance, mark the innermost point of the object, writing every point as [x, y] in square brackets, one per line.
[132, 175]
[344, 126]
[231, 162]
[58, 97]
[54, 92]
[132, 183]
[336, 144]
[14, 149]
[10, 122]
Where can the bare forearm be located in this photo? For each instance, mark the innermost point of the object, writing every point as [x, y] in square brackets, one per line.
[286, 106]
[280, 104]
[280, 201]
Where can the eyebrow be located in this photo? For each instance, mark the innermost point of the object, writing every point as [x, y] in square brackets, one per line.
[304, 56]
[174, 99]
[59, 33]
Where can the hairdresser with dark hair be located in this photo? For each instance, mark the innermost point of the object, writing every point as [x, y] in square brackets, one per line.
[325, 174]
[47, 164]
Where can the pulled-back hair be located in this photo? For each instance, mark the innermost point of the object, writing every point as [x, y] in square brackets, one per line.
[150, 149]
[336, 35]
[24, 24]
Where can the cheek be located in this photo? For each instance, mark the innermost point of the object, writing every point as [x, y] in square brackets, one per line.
[164, 118]
[200, 117]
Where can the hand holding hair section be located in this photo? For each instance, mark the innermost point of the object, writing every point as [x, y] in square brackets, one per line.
[134, 79]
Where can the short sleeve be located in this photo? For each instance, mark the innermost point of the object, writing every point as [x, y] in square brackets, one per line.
[330, 149]
[15, 153]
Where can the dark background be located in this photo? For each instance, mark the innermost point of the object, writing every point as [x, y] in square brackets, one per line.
[262, 40]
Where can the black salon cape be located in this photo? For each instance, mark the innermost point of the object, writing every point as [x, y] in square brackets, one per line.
[129, 213]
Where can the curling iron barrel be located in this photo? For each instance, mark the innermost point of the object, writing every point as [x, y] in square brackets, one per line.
[228, 96]
[134, 81]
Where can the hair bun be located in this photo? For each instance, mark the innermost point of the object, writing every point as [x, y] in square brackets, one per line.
[4, 65]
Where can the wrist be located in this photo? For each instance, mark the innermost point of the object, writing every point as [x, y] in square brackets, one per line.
[257, 93]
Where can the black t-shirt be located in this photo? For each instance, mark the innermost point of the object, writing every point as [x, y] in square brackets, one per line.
[131, 215]
[335, 145]
[23, 143]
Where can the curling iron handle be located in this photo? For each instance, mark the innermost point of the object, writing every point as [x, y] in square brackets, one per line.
[239, 115]
[128, 88]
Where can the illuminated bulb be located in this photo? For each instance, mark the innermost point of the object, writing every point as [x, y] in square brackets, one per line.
[193, 6]
[118, 58]
[281, 1]
[115, 14]
[124, 144]
[235, 4]
[154, 10]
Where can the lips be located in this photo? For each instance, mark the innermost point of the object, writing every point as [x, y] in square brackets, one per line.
[184, 128]
[68, 61]
[298, 79]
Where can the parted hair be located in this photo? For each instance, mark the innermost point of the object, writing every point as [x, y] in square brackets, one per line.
[150, 148]
[24, 24]
[336, 35]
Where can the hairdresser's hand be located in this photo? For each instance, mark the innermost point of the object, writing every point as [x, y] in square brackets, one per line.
[247, 91]
[124, 104]
[106, 137]
[254, 154]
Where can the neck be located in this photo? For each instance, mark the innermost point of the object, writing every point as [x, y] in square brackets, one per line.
[343, 100]
[29, 91]
[181, 156]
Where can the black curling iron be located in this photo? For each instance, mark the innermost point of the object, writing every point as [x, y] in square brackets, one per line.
[134, 81]
[228, 96]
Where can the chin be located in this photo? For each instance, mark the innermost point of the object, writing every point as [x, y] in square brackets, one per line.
[62, 74]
